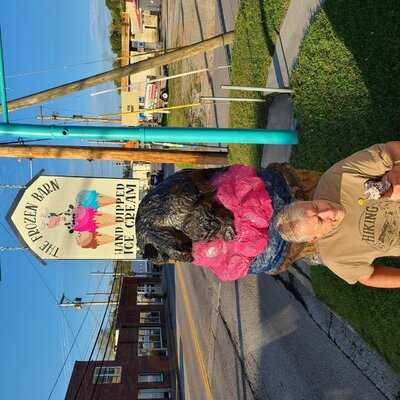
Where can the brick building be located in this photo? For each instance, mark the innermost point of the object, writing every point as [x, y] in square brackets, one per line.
[141, 369]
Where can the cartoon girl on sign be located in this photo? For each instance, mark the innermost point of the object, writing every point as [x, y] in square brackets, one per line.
[93, 199]
[84, 219]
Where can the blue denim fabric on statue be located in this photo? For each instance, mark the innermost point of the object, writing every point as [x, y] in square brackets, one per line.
[273, 256]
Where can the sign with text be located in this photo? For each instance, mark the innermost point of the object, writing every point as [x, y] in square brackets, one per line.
[60, 217]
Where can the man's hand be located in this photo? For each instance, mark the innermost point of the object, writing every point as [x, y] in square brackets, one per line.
[393, 176]
[383, 277]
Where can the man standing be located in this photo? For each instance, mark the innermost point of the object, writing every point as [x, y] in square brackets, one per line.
[349, 229]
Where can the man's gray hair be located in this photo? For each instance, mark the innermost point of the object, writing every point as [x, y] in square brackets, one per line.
[287, 222]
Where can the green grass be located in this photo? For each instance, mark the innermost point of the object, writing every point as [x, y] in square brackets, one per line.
[177, 117]
[347, 94]
[252, 49]
[374, 313]
[347, 97]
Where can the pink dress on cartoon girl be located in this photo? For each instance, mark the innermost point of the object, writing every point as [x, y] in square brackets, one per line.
[84, 219]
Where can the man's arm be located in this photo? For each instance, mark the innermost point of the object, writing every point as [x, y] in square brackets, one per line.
[393, 150]
[393, 176]
[388, 277]
[383, 277]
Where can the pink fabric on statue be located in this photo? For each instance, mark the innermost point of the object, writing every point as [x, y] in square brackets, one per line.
[241, 191]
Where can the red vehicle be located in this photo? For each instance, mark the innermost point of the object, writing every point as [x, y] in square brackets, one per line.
[156, 95]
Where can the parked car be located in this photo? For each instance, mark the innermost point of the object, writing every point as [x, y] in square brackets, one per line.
[156, 93]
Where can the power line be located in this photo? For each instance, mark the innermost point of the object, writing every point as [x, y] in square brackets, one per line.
[97, 338]
[22, 141]
[99, 347]
[95, 318]
[98, 323]
[52, 295]
[70, 66]
[95, 325]
[74, 341]
[63, 335]
[44, 282]
[69, 352]
[34, 267]
[65, 345]
[62, 67]
[109, 337]
[95, 343]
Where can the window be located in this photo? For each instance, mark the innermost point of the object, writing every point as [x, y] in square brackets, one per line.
[150, 342]
[149, 293]
[151, 317]
[103, 375]
[156, 269]
[146, 352]
[153, 394]
[149, 288]
[151, 378]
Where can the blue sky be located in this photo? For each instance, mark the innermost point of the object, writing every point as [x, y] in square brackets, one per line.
[48, 35]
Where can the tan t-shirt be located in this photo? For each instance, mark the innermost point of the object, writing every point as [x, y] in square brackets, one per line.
[370, 228]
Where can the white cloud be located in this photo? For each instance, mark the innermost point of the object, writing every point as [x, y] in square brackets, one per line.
[99, 21]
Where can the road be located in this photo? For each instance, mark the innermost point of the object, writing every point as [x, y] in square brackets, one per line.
[189, 21]
[252, 339]
[208, 365]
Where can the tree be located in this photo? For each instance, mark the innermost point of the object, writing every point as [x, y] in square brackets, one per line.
[115, 40]
[116, 7]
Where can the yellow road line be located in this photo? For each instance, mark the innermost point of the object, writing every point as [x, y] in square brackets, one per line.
[200, 357]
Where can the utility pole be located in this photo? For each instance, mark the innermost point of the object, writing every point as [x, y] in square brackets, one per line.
[97, 293]
[115, 153]
[104, 118]
[78, 304]
[97, 273]
[78, 118]
[157, 110]
[164, 78]
[258, 89]
[117, 73]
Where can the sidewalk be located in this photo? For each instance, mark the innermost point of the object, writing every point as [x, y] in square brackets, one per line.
[296, 279]
[288, 42]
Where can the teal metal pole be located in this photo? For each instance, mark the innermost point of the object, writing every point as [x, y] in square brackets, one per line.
[143, 134]
[151, 134]
[3, 94]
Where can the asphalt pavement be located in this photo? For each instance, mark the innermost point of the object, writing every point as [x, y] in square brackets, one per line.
[253, 339]
[261, 337]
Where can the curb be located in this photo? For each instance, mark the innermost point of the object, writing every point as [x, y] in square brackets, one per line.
[369, 363]
[296, 279]
[171, 340]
